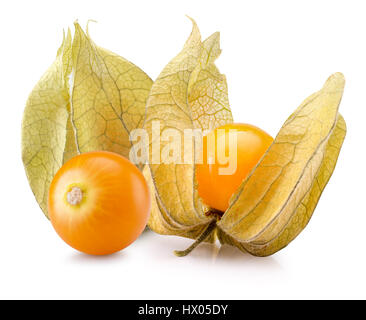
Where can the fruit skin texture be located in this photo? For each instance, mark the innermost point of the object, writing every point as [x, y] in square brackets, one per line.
[216, 189]
[115, 203]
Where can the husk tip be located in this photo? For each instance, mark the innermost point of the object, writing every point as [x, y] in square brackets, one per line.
[335, 82]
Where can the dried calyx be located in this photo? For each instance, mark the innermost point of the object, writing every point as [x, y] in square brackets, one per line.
[89, 99]
[277, 199]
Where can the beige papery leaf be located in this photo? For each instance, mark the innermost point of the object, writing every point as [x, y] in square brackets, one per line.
[89, 99]
[275, 203]
[190, 93]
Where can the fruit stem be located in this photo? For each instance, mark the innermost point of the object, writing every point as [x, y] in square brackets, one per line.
[74, 196]
[210, 228]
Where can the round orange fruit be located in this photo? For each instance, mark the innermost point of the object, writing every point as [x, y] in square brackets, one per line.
[216, 188]
[99, 202]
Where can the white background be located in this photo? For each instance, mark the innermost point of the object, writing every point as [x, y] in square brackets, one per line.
[275, 54]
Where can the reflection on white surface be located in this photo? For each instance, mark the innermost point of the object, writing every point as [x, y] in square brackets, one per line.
[160, 248]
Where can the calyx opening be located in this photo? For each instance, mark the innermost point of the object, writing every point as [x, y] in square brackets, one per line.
[217, 214]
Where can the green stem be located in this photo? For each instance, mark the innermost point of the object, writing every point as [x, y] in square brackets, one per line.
[204, 235]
